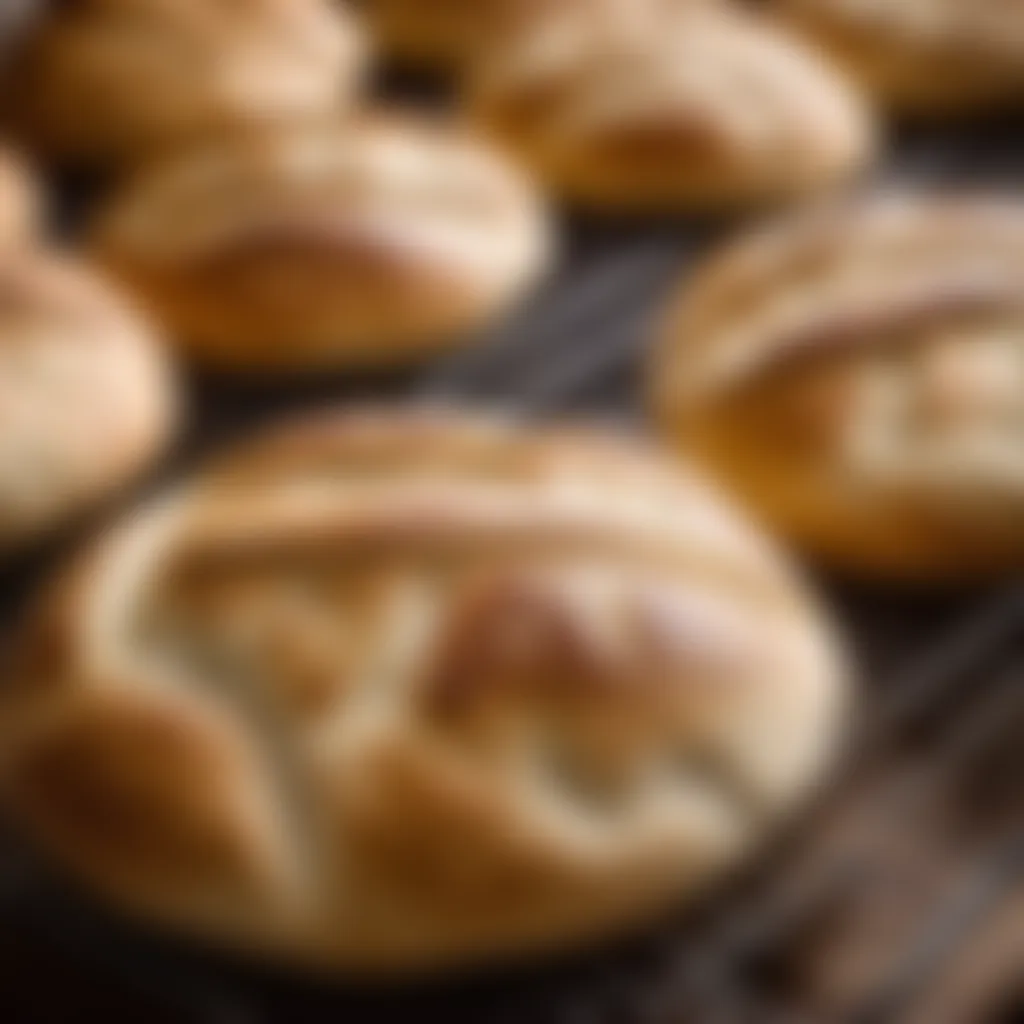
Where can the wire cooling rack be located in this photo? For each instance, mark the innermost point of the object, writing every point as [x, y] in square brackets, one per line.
[873, 902]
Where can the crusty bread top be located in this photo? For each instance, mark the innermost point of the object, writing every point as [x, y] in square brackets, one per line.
[327, 242]
[662, 103]
[85, 391]
[458, 692]
[108, 81]
[863, 364]
[925, 56]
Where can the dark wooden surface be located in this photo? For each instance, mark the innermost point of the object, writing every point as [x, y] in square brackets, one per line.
[39, 985]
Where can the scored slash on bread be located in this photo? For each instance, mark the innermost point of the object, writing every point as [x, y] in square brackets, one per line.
[419, 691]
[658, 105]
[855, 374]
[372, 243]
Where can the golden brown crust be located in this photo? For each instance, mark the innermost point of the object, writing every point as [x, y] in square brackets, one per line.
[374, 243]
[669, 105]
[926, 56]
[20, 202]
[451, 33]
[460, 692]
[85, 394]
[447, 34]
[108, 81]
[856, 375]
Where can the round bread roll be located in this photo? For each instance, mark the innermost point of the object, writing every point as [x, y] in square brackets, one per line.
[20, 203]
[857, 375]
[923, 56]
[396, 693]
[376, 243]
[107, 81]
[663, 105]
[85, 393]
